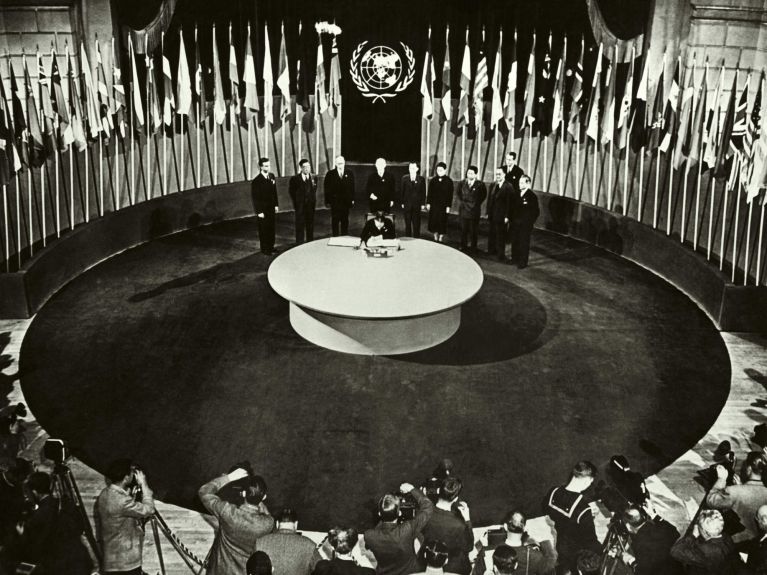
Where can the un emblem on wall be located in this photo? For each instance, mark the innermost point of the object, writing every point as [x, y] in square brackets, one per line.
[379, 72]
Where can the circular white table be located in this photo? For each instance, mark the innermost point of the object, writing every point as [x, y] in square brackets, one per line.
[344, 300]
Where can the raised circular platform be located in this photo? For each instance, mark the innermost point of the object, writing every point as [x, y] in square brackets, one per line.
[344, 300]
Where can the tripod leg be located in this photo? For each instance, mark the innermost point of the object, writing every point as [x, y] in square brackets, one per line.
[156, 534]
[184, 554]
[68, 481]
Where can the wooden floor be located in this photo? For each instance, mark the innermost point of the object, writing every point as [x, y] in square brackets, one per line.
[675, 493]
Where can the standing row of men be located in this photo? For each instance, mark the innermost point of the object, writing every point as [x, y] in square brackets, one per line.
[511, 209]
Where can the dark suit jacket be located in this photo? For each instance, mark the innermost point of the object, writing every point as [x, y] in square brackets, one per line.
[392, 543]
[413, 194]
[513, 175]
[370, 230]
[382, 187]
[471, 199]
[757, 555]
[440, 193]
[290, 552]
[341, 567]
[454, 532]
[712, 557]
[339, 191]
[651, 546]
[524, 209]
[499, 202]
[264, 193]
[302, 193]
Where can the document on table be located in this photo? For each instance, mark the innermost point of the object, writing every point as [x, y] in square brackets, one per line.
[344, 241]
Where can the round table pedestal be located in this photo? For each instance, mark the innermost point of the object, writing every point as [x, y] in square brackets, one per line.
[375, 336]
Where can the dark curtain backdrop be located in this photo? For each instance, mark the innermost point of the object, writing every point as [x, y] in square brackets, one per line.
[390, 129]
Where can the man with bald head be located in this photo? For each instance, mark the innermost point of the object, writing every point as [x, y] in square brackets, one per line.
[380, 189]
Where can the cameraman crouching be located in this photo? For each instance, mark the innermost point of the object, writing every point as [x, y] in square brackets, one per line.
[239, 526]
[121, 510]
[651, 541]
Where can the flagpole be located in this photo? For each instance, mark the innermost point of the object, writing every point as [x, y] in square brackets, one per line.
[444, 141]
[697, 205]
[149, 139]
[463, 149]
[5, 227]
[657, 183]
[594, 174]
[759, 245]
[18, 225]
[282, 151]
[197, 137]
[428, 147]
[684, 200]
[724, 223]
[562, 157]
[578, 187]
[610, 176]
[29, 191]
[479, 149]
[132, 194]
[335, 135]
[746, 266]
[529, 146]
[545, 158]
[712, 185]
[626, 181]
[670, 192]
[215, 152]
[641, 182]
[735, 230]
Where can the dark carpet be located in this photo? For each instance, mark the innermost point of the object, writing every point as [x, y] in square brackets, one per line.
[179, 354]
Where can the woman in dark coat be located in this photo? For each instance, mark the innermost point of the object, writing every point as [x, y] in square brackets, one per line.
[438, 201]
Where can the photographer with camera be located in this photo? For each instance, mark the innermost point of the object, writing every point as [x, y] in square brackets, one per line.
[239, 525]
[122, 508]
[451, 523]
[531, 557]
[392, 540]
[706, 549]
[651, 539]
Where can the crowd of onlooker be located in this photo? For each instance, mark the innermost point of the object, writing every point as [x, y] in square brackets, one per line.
[420, 529]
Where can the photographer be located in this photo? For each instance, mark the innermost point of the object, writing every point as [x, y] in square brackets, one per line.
[392, 540]
[121, 510]
[450, 523]
[651, 542]
[531, 557]
[707, 550]
[239, 525]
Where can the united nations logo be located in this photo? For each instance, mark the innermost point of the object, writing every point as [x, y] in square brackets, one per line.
[379, 73]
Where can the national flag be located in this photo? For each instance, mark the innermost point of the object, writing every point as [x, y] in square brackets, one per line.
[78, 131]
[427, 82]
[168, 98]
[542, 104]
[283, 78]
[592, 125]
[608, 115]
[118, 94]
[576, 97]
[510, 99]
[234, 83]
[739, 123]
[750, 143]
[46, 106]
[249, 78]
[36, 146]
[465, 83]
[319, 79]
[697, 127]
[102, 89]
[91, 106]
[656, 126]
[684, 137]
[334, 93]
[496, 106]
[219, 104]
[183, 80]
[19, 121]
[624, 123]
[758, 175]
[639, 126]
[480, 84]
[7, 149]
[711, 135]
[305, 88]
[670, 112]
[446, 103]
[154, 110]
[558, 109]
[724, 150]
[528, 116]
[138, 107]
[60, 105]
[268, 77]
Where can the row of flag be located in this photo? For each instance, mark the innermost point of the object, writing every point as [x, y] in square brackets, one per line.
[685, 123]
[37, 123]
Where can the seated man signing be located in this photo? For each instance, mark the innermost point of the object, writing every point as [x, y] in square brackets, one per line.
[378, 227]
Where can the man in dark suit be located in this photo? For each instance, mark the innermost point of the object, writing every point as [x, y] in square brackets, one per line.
[263, 190]
[378, 226]
[757, 549]
[651, 542]
[391, 541]
[380, 189]
[339, 196]
[413, 200]
[471, 193]
[512, 171]
[303, 192]
[290, 552]
[524, 212]
[498, 210]
[453, 529]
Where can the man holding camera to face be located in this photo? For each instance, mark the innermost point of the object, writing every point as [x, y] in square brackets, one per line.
[121, 510]
[392, 540]
[239, 525]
